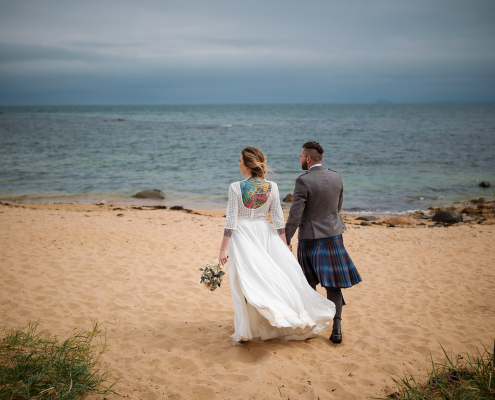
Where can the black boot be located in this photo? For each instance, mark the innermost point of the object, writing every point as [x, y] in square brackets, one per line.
[336, 335]
[335, 296]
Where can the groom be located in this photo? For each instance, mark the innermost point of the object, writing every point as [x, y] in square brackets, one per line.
[315, 211]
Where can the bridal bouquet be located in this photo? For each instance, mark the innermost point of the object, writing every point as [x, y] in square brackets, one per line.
[212, 275]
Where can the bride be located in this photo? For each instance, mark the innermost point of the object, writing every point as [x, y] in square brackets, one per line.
[271, 296]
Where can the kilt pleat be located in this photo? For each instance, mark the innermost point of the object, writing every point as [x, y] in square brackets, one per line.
[326, 261]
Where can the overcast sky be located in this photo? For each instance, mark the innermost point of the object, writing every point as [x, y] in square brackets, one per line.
[176, 52]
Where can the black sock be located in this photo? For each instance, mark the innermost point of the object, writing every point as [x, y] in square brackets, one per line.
[335, 296]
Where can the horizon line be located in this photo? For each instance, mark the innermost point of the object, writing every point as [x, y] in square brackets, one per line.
[387, 103]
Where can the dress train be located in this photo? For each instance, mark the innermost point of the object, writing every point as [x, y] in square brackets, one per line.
[271, 296]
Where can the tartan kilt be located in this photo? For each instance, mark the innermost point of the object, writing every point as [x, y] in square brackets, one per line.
[326, 261]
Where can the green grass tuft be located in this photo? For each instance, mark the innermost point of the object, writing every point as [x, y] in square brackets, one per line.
[36, 365]
[471, 379]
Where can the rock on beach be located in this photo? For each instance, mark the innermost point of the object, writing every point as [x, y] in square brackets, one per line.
[450, 217]
[479, 200]
[366, 218]
[149, 194]
[485, 184]
[288, 198]
[471, 211]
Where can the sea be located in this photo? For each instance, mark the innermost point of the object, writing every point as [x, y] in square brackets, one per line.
[393, 158]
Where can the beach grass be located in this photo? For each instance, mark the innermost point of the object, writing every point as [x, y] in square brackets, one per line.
[35, 364]
[472, 378]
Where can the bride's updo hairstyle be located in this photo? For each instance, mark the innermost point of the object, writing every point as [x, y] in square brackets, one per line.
[255, 160]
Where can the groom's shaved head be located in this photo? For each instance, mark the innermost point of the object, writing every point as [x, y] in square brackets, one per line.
[313, 150]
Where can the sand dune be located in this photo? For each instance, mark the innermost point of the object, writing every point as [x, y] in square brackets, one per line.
[170, 338]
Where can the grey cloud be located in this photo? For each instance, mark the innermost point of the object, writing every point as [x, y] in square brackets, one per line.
[101, 45]
[32, 52]
[197, 51]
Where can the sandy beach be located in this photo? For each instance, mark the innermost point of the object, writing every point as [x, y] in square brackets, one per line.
[136, 272]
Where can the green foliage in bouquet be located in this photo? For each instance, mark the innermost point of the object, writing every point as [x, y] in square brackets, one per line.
[36, 365]
[212, 276]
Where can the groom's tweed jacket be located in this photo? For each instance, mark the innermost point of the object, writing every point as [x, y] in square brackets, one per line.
[316, 205]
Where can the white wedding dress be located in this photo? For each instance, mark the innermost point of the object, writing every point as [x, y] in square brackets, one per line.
[271, 296]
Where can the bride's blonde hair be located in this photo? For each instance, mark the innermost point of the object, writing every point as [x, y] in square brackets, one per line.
[255, 160]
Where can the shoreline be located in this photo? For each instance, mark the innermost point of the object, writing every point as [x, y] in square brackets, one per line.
[474, 211]
[209, 208]
[217, 212]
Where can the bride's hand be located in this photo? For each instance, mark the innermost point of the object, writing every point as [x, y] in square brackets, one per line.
[222, 258]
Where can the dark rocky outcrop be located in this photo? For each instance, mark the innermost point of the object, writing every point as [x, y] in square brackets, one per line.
[177, 208]
[479, 200]
[471, 211]
[150, 194]
[367, 218]
[449, 217]
[484, 209]
[485, 184]
[418, 215]
[399, 221]
[288, 198]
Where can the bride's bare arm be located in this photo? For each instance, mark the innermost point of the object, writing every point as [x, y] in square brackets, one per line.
[222, 258]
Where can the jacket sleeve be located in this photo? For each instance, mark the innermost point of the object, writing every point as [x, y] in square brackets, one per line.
[232, 209]
[341, 195]
[296, 210]
[276, 209]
